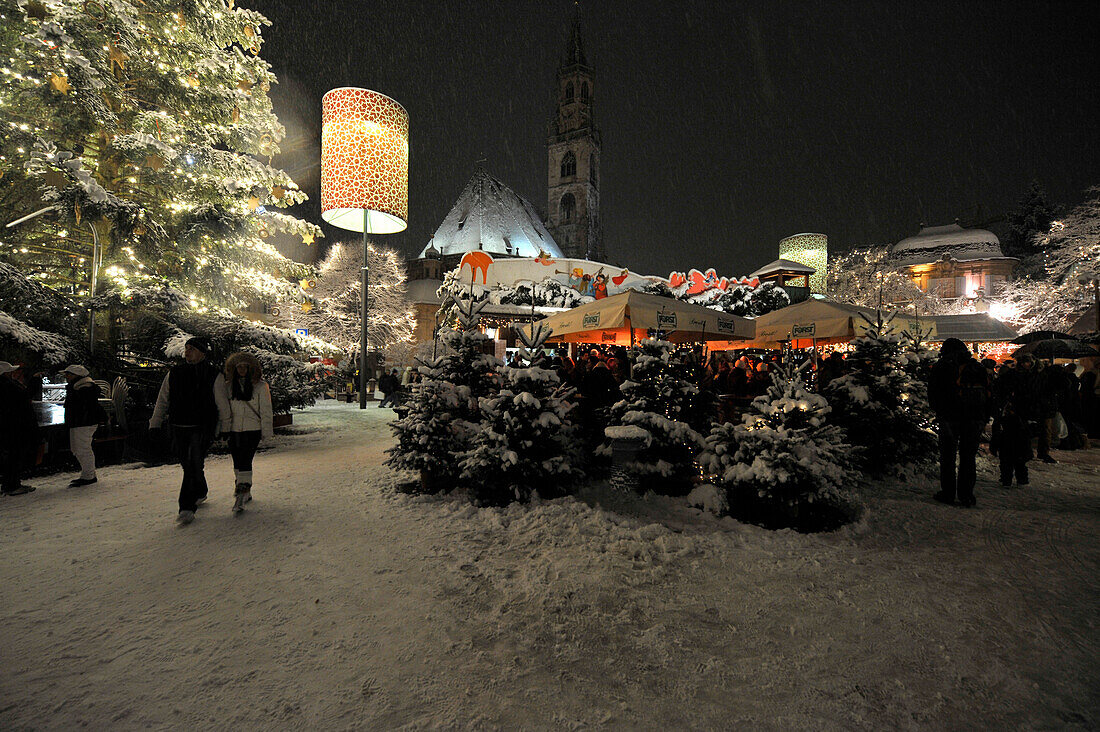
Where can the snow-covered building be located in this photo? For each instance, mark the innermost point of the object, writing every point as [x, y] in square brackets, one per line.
[951, 262]
[490, 217]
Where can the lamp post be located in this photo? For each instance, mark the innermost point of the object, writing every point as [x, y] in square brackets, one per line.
[364, 176]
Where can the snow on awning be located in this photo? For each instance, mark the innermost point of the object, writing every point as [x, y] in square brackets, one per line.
[971, 328]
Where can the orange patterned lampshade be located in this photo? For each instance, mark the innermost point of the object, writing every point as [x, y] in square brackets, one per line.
[364, 161]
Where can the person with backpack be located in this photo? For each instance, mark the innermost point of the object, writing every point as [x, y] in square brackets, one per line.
[83, 415]
[250, 420]
[960, 395]
[192, 399]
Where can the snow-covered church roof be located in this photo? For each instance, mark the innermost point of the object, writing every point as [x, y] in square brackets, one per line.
[933, 243]
[491, 217]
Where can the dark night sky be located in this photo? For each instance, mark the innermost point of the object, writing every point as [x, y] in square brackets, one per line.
[726, 125]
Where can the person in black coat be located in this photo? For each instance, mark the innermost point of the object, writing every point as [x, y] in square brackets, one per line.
[959, 393]
[18, 432]
[192, 398]
[82, 417]
[389, 385]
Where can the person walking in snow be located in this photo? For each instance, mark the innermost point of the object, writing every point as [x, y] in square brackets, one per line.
[959, 393]
[83, 415]
[18, 431]
[250, 420]
[192, 399]
[389, 385]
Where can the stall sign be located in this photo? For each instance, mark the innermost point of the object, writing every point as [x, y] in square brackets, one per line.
[803, 331]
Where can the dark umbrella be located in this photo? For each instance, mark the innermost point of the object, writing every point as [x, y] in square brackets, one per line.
[1041, 335]
[1057, 348]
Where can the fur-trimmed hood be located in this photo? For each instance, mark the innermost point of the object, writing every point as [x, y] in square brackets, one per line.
[255, 371]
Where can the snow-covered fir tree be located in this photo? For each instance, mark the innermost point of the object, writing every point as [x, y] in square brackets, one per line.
[444, 413]
[784, 466]
[330, 307]
[657, 400]
[427, 440]
[36, 323]
[141, 125]
[526, 442]
[880, 404]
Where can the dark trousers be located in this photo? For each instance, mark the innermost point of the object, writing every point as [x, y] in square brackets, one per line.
[242, 446]
[1046, 436]
[11, 463]
[961, 439]
[191, 445]
[1012, 464]
[389, 400]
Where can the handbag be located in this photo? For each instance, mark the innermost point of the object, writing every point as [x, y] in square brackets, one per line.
[1059, 430]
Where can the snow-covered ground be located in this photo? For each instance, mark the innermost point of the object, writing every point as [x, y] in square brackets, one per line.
[335, 602]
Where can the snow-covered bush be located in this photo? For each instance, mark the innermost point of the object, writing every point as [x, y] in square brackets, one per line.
[750, 302]
[526, 441]
[548, 293]
[783, 466]
[657, 401]
[882, 406]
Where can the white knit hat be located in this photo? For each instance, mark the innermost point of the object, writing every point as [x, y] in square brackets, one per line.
[7, 368]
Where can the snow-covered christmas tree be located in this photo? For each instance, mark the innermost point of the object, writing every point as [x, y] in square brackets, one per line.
[784, 466]
[657, 401]
[427, 440]
[444, 413]
[526, 441]
[330, 307]
[139, 126]
[881, 405]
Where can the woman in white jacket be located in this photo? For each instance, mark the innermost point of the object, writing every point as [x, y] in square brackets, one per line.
[249, 419]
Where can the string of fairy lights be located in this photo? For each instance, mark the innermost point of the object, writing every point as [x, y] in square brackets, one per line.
[182, 118]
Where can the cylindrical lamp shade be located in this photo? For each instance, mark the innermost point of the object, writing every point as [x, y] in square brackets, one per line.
[811, 250]
[364, 161]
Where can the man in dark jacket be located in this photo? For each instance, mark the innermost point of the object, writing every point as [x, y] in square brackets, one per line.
[18, 431]
[959, 393]
[193, 399]
[389, 385]
[82, 416]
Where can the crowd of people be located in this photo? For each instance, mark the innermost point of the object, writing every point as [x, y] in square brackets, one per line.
[1029, 402]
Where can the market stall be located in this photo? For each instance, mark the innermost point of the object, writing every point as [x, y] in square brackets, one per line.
[820, 321]
[627, 317]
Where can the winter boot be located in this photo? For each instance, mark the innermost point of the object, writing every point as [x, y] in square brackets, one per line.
[241, 496]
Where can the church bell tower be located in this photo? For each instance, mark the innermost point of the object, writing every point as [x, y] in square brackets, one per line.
[573, 148]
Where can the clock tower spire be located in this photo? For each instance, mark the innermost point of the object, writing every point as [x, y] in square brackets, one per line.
[573, 148]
